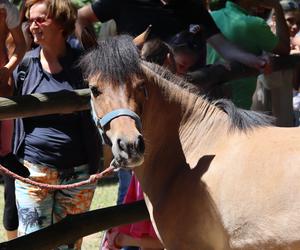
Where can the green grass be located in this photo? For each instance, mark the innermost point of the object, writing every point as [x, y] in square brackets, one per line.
[105, 195]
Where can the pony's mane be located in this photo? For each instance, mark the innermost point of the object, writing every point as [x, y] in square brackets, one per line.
[240, 119]
[116, 59]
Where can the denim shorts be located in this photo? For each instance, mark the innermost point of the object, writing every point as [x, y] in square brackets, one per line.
[39, 208]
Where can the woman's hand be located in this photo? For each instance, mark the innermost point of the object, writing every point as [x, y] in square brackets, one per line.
[110, 240]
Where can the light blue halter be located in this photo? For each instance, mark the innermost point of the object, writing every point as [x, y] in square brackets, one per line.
[106, 119]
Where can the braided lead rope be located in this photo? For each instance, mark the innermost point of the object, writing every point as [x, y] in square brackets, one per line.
[93, 178]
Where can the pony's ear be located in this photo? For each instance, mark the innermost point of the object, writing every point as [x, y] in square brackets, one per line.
[88, 38]
[142, 38]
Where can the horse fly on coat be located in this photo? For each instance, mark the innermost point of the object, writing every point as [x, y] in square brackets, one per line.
[213, 176]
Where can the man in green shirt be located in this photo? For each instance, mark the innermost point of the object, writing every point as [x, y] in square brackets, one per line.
[252, 34]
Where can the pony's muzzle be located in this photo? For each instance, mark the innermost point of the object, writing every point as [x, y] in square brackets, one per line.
[132, 148]
[128, 153]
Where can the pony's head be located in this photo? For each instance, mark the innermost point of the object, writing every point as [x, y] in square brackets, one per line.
[117, 97]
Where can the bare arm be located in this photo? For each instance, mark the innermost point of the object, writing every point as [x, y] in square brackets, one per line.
[19, 51]
[295, 44]
[231, 52]
[86, 17]
[16, 57]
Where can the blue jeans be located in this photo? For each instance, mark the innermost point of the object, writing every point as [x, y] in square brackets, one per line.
[124, 181]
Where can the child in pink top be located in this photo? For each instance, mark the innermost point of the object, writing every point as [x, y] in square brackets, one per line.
[140, 234]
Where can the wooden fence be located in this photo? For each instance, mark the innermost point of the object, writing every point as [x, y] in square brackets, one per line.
[67, 102]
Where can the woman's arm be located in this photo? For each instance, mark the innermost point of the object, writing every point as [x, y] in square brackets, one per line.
[231, 52]
[16, 57]
[86, 17]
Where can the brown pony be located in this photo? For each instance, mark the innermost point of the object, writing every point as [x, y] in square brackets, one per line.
[213, 176]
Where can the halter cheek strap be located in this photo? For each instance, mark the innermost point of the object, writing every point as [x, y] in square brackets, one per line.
[106, 119]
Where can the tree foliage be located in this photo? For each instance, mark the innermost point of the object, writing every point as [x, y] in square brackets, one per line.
[78, 3]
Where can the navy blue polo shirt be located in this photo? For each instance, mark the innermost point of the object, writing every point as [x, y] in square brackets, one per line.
[52, 140]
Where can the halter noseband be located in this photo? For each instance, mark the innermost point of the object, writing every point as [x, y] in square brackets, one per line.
[106, 119]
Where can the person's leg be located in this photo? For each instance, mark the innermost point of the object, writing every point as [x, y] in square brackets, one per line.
[10, 235]
[35, 205]
[10, 216]
[124, 181]
[73, 201]
[10, 213]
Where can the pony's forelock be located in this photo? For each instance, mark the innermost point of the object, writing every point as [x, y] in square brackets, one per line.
[115, 59]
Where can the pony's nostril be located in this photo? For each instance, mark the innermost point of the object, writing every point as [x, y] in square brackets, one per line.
[121, 144]
[132, 148]
[140, 145]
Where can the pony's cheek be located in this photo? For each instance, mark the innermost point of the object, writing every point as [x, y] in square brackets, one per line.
[139, 103]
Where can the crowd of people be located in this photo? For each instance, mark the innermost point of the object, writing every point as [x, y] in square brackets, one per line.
[185, 36]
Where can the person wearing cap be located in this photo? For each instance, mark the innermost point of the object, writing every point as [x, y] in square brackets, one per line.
[252, 34]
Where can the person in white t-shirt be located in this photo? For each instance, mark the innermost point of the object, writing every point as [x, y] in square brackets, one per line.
[9, 23]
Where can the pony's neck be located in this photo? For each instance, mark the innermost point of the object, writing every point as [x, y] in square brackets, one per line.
[176, 123]
[202, 129]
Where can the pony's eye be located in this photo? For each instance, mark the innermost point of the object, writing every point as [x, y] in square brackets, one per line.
[95, 91]
[143, 88]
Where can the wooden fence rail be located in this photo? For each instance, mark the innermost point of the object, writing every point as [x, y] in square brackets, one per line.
[67, 102]
[76, 226]
[43, 104]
